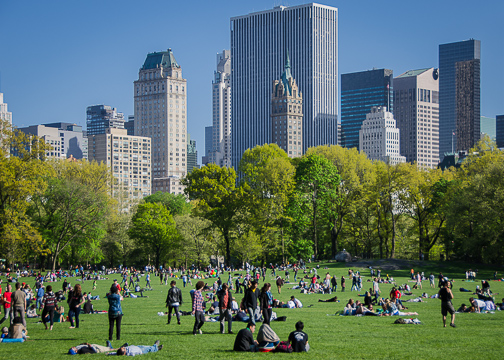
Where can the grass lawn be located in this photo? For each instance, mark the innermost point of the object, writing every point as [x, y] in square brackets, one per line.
[476, 335]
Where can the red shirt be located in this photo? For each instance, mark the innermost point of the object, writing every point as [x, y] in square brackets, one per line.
[7, 296]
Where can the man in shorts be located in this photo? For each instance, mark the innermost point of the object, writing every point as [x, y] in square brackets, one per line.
[446, 296]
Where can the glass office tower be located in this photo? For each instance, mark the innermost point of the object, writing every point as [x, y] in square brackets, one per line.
[259, 44]
[449, 56]
[359, 93]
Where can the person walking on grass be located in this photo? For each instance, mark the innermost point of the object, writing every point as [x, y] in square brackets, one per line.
[48, 307]
[250, 300]
[279, 283]
[75, 300]
[197, 308]
[114, 312]
[173, 301]
[225, 304]
[147, 279]
[446, 296]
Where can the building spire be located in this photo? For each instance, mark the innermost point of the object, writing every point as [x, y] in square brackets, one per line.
[286, 75]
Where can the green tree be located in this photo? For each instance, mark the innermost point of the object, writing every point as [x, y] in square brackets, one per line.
[155, 230]
[117, 245]
[355, 172]
[21, 178]
[73, 209]
[196, 239]
[317, 180]
[268, 178]
[176, 204]
[220, 200]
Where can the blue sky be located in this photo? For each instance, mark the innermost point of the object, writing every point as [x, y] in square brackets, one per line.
[58, 57]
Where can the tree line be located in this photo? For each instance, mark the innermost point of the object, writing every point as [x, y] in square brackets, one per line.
[58, 212]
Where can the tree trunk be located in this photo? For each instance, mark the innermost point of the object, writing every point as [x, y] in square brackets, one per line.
[315, 243]
[225, 233]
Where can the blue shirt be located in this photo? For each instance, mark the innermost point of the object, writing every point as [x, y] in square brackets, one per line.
[114, 304]
[40, 292]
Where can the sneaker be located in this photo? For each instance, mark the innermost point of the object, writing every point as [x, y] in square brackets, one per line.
[157, 342]
[178, 322]
[452, 325]
[160, 347]
[201, 332]
[230, 332]
[109, 344]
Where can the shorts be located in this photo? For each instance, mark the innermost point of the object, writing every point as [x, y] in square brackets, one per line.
[447, 307]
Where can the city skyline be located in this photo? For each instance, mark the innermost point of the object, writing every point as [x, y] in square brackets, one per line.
[71, 77]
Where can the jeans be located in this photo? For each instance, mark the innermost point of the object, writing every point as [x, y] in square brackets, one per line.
[117, 320]
[251, 313]
[148, 349]
[199, 320]
[6, 315]
[74, 312]
[39, 302]
[176, 308]
[225, 314]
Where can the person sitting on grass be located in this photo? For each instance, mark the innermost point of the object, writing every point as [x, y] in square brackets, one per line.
[390, 309]
[245, 340]
[299, 339]
[133, 350]
[87, 348]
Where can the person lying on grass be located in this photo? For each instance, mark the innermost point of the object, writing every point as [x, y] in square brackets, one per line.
[390, 309]
[87, 348]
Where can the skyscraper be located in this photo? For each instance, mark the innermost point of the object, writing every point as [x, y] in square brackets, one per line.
[499, 129]
[160, 113]
[360, 92]
[4, 114]
[101, 117]
[488, 127]
[467, 98]
[221, 105]
[449, 55]
[379, 138]
[192, 155]
[259, 43]
[416, 110]
[208, 145]
[287, 113]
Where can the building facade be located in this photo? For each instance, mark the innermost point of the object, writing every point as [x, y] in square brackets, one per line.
[161, 114]
[467, 97]
[488, 127]
[360, 92]
[259, 42]
[499, 129]
[101, 117]
[287, 113]
[4, 113]
[416, 110]
[129, 158]
[192, 155]
[67, 140]
[205, 159]
[379, 138]
[130, 125]
[449, 55]
[221, 111]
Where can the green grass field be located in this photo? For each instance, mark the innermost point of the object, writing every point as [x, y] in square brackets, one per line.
[330, 337]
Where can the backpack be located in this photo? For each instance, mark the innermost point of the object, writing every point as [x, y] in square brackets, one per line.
[281, 318]
[284, 347]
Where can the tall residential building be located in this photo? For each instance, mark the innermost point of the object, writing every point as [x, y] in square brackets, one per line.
[205, 159]
[488, 127]
[101, 117]
[379, 138]
[416, 110]
[449, 55]
[161, 114]
[129, 158]
[360, 92]
[192, 155]
[4, 114]
[499, 129]
[67, 140]
[221, 105]
[259, 43]
[467, 85]
[74, 143]
[287, 113]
